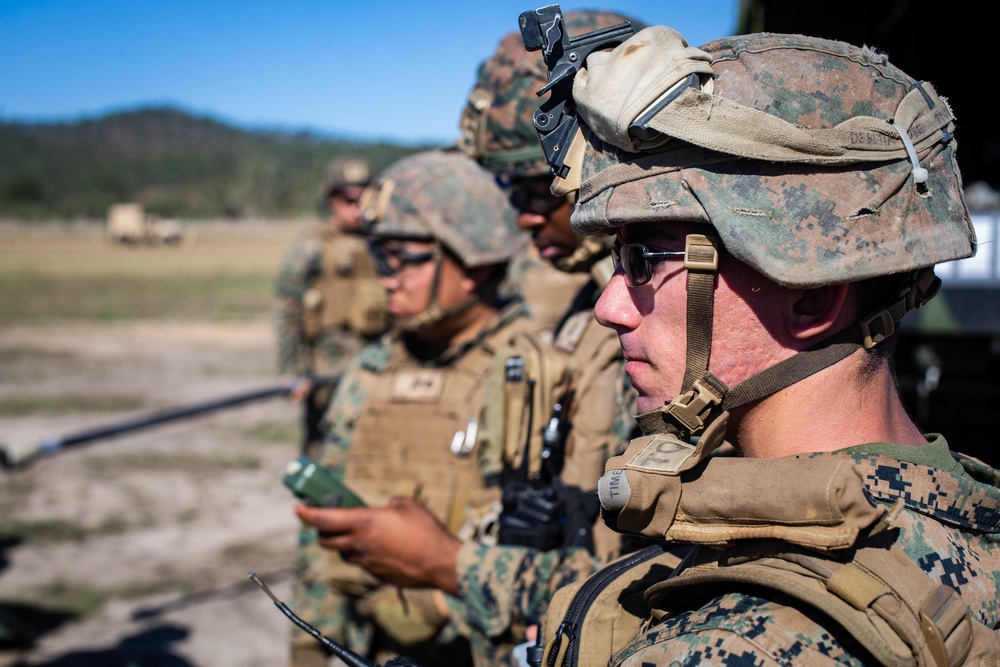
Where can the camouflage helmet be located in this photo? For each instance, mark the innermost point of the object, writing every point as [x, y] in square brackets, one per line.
[345, 172]
[820, 163]
[447, 197]
[816, 163]
[496, 126]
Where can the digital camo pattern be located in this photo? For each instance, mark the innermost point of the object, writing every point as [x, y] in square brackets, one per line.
[951, 528]
[300, 268]
[445, 195]
[504, 587]
[799, 225]
[497, 127]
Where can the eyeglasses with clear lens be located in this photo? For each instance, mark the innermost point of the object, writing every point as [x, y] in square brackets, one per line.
[390, 261]
[636, 261]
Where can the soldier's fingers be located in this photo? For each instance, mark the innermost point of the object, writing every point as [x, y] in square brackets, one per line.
[327, 520]
[342, 543]
[402, 502]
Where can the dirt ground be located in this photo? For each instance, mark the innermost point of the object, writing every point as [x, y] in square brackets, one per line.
[172, 518]
[135, 550]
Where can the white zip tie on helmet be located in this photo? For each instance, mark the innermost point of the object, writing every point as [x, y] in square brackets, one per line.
[919, 173]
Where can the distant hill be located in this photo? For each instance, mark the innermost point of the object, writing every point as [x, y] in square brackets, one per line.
[174, 163]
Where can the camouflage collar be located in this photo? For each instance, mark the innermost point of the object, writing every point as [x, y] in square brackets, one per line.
[965, 494]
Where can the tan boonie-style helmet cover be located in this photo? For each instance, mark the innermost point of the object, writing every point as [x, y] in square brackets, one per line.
[817, 162]
[344, 172]
[444, 196]
[497, 127]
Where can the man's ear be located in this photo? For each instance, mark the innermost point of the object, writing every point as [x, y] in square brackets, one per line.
[816, 311]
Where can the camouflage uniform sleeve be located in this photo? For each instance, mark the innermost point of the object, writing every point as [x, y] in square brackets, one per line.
[737, 630]
[301, 263]
[499, 585]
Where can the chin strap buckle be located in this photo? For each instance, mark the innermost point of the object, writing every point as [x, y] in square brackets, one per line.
[700, 253]
[876, 328]
[922, 286]
[691, 408]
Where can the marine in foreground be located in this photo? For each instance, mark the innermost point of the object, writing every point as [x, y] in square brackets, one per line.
[779, 203]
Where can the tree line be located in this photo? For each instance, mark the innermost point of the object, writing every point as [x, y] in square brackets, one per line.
[176, 164]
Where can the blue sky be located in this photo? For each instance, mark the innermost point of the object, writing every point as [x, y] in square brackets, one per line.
[369, 69]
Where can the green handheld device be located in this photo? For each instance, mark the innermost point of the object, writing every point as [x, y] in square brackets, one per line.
[315, 485]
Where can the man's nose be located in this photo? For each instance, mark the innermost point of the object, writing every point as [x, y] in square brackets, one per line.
[615, 308]
[529, 221]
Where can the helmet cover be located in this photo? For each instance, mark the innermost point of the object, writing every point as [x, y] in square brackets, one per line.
[811, 184]
[447, 197]
[497, 126]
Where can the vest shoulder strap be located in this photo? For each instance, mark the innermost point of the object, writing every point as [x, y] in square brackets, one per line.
[881, 597]
[592, 620]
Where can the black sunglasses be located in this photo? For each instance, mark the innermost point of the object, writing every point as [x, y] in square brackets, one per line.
[526, 199]
[390, 261]
[636, 261]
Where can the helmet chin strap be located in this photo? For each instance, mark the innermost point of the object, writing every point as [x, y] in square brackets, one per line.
[704, 399]
[700, 391]
[434, 313]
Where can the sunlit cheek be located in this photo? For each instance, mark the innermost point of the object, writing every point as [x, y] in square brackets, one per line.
[742, 343]
[420, 286]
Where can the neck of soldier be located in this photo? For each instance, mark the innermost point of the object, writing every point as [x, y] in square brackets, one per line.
[830, 410]
[458, 329]
[343, 225]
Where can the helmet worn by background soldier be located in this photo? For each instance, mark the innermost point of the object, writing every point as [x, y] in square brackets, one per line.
[497, 127]
[342, 173]
[445, 197]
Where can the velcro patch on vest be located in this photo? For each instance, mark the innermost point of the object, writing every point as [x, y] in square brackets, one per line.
[418, 386]
[661, 453]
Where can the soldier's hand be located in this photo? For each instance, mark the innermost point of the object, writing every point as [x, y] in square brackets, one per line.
[402, 544]
[300, 388]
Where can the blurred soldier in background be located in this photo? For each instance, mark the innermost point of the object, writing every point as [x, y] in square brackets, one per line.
[498, 131]
[432, 411]
[503, 588]
[329, 301]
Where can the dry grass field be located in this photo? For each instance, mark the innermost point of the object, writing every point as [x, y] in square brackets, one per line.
[134, 550]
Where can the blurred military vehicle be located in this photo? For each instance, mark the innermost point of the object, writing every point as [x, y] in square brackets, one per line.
[949, 352]
[129, 224]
